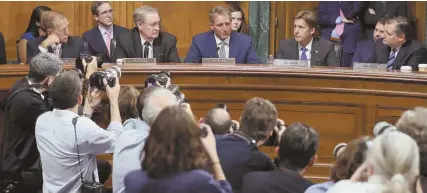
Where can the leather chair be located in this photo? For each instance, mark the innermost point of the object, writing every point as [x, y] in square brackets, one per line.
[338, 52]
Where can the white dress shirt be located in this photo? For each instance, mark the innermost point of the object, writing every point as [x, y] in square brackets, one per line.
[56, 143]
[308, 50]
[53, 48]
[104, 34]
[150, 49]
[227, 46]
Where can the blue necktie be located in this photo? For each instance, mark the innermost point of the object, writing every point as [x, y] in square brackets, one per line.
[391, 59]
[303, 55]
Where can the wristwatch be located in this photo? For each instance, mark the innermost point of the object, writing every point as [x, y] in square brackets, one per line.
[44, 44]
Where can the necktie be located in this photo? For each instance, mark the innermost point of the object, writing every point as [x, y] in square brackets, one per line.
[303, 55]
[391, 59]
[108, 41]
[57, 50]
[339, 28]
[222, 53]
[146, 49]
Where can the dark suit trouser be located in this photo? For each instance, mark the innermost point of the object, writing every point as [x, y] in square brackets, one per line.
[346, 59]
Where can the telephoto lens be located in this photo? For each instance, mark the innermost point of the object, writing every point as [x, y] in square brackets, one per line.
[96, 79]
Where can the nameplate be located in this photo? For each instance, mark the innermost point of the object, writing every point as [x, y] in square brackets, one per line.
[68, 60]
[369, 66]
[291, 63]
[145, 61]
[219, 61]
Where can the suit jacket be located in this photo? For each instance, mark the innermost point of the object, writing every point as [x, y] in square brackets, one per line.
[2, 50]
[364, 51]
[322, 52]
[204, 46]
[389, 9]
[71, 49]
[164, 47]
[95, 41]
[274, 182]
[329, 11]
[411, 53]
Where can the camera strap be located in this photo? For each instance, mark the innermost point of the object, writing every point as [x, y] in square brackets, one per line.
[244, 137]
[77, 145]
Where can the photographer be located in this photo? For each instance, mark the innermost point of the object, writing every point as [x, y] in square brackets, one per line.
[68, 143]
[27, 100]
[219, 120]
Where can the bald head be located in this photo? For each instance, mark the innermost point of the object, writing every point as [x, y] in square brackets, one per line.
[55, 23]
[156, 102]
[219, 120]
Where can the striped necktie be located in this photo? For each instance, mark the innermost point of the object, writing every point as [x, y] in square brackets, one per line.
[391, 59]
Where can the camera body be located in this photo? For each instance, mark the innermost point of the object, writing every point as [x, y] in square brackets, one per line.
[161, 79]
[88, 58]
[96, 79]
[179, 95]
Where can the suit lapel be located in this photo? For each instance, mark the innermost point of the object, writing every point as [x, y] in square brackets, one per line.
[212, 45]
[99, 42]
[137, 43]
[400, 55]
[314, 52]
[295, 52]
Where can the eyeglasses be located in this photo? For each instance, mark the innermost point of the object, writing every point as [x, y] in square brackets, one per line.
[104, 13]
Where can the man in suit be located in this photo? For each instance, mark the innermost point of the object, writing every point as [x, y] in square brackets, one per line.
[222, 42]
[304, 46]
[340, 20]
[99, 38]
[382, 9]
[297, 152]
[57, 39]
[365, 48]
[398, 48]
[2, 50]
[146, 40]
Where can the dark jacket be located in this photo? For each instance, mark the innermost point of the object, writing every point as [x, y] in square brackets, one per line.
[164, 47]
[71, 49]
[2, 50]
[383, 9]
[322, 52]
[96, 44]
[364, 51]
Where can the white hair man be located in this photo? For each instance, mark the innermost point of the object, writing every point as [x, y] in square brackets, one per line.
[127, 152]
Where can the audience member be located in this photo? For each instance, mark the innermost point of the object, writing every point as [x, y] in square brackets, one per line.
[347, 162]
[2, 50]
[304, 46]
[219, 120]
[175, 157]
[340, 21]
[27, 99]
[414, 124]
[238, 152]
[238, 21]
[34, 30]
[99, 38]
[127, 103]
[382, 9]
[147, 40]
[222, 42]
[365, 48]
[297, 152]
[68, 143]
[399, 48]
[127, 152]
[56, 39]
[390, 167]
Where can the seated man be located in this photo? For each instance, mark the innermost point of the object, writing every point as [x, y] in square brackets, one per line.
[127, 152]
[297, 152]
[146, 40]
[238, 152]
[398, 47]
[99, 37]
[365, 49]
[222, 42]
[2, 50]
[219, 120]
[304, 46]
[57, 39]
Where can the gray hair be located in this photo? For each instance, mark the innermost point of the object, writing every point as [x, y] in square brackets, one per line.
[44, 65]
[155, 103]
[221, 10]
[140, 13]
[66, 89]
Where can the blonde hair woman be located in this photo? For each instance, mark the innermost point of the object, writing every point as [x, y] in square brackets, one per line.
[392, 166]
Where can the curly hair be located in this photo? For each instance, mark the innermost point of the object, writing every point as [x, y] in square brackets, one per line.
[173, 145]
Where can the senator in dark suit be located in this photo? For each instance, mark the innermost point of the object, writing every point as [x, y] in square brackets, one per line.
[146, 40]
[329, 12]
[2, 50]
[398, 48]
[222, 42]
[100, 37]
[365, 48]
[382, 9]
[297, 152]
[57, 39]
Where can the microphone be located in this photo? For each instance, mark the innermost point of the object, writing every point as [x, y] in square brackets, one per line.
[383, 127]
[338, 149]
[113, 45]
[85, 48]
[217, 48]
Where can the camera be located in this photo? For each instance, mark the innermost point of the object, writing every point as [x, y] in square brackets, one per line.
[160, 79]
[88, 59]
[179, 95]
[96, 79]
[382, 127]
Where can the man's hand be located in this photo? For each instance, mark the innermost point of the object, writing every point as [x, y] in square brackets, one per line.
[94, 96]
[345, 20]
[209, 142]
[279, 128]
[236, 124]
[371, 11]
[50, 40]
[113, 92]
[91, 67]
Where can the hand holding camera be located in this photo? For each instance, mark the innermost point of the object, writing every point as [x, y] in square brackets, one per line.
[112, 89]
[208, 141]
[279, 128]
[235, 125]
[90, 66]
